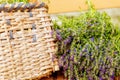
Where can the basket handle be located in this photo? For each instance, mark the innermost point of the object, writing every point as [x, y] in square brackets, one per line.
[20, 6]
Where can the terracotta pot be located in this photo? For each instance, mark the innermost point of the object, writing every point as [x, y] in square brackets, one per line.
[55, 76]
[117, 78]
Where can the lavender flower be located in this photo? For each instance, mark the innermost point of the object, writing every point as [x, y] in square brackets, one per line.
[100, 78]
[72, 58]
[85, 50]
[100, 68]
[68, 51]
[103, 71]
[65, 67]
[64, 61]
[80, 54]
[112, 77]
[57, 31]
[68, 40]
[63, 56]
[97, 47]
[106, 58]
[92, 59]
[73, 78]
[59, 38]
[90, 78]
[92, 39]
[90, 54]
[60, 64]
[76, 63]
[71, 66]
[115, 52]
[68, 57]
[74, 50]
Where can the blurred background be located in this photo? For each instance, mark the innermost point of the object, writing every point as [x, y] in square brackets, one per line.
[75, 7]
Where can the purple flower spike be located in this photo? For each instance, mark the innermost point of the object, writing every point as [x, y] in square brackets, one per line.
[92, 59]
[63, 56]
[85, 50]
[112, 77]
[90, 54]
[58, 32]
[72, 58]
[65, 67]
[75, 50]
[107, 58]
[97, 47]
[92, 39]
[100, 78]
[71, 67]
[115, 52]
[90, 78]
[68, 57]
[68, 40]
[60, 64]
[103, 71]
[100, 68]
[80, 54]
[68, 51]
[59, 38]
[72, 78]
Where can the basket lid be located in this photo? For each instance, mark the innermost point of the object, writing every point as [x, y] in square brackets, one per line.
[21, 7]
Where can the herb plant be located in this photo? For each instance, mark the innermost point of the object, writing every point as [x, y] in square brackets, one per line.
[88, 46]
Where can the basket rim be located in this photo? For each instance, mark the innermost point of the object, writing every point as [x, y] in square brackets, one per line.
[14, 7]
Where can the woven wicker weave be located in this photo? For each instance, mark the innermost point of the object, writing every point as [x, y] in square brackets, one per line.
[26, 43]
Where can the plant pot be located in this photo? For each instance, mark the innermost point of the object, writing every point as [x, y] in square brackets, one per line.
[117, 78]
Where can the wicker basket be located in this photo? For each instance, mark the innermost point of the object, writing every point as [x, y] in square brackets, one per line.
[26, 44]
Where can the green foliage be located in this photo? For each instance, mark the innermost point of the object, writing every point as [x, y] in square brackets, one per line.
[88, 45]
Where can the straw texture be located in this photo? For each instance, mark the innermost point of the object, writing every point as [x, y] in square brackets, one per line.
[26, 44]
